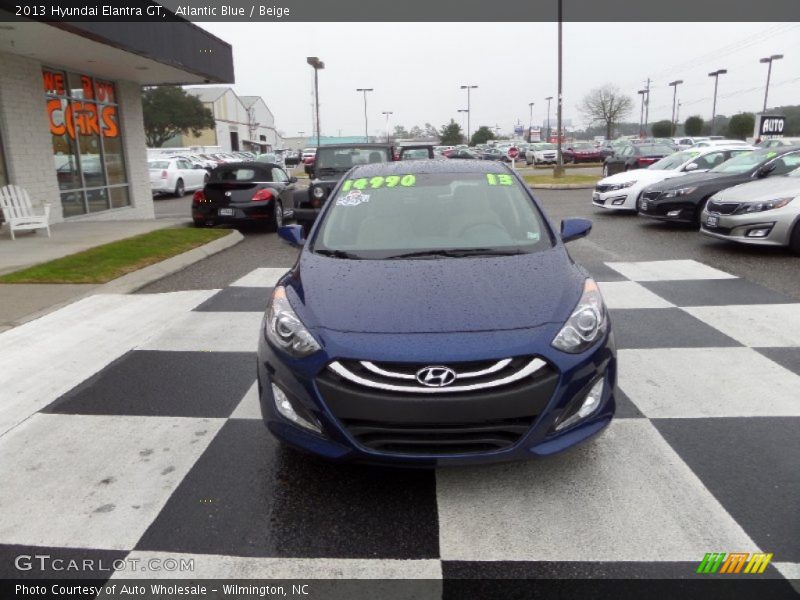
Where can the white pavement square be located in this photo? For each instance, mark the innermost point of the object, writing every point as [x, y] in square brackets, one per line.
[626, 496]
[754, 325]
[210, 332]
[707, 382]
[249, 407]
[212, 566]
[629, 294]
[263, 277]
[668, 270]
[93, 481]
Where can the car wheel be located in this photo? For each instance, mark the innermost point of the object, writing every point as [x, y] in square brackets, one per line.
[180, 190]
[794, 241]
[277, 217]
[306, 225]
[698, 212]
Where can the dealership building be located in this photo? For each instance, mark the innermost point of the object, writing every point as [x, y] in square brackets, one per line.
[71, 125]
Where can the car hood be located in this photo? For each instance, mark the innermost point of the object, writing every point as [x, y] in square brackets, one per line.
[435, 295]
[762, 189]
[695, 179]
[638, 175]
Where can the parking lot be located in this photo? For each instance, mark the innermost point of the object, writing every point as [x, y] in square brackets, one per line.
[701, 456]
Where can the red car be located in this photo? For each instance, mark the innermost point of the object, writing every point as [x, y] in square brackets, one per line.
[582, 152]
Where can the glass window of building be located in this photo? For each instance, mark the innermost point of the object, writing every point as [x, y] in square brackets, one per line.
[87, 148]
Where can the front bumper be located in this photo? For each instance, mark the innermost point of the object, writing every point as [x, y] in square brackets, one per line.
[336, 407]
[623, 199]
[678, 210]
[741, 228]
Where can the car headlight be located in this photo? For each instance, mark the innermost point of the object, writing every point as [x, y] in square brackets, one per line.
[752, 207]
[587, 323]
[679, 192]
[285, 330]
[318, 192]
[620, 186]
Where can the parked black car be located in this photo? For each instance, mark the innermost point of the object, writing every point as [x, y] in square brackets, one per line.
[245, 192]
[464, 153]
[634, 156]
[418, 152]
[494, 154]
[330, 164]
[682, 199]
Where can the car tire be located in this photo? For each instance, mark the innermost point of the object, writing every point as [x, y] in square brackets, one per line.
[180, 189]
[794, 240]
[698, 212]
[306, 225]
[277, 217]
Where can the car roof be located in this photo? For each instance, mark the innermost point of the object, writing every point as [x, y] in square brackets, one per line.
[428, 166]
[364, 145]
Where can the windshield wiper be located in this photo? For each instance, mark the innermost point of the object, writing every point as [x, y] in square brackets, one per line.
[338, 254]
[458, 252]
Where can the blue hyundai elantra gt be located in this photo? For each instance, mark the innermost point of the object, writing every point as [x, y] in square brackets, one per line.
[434, 317]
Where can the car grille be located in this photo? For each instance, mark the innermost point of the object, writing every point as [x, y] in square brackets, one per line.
[487, 408]
[650, 195]
[603, 187]
[722, 208]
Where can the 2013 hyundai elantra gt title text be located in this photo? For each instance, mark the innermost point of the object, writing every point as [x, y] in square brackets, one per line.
[434, 317]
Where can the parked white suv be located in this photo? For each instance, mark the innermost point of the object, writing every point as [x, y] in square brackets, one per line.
[540, 153]
[169, 175]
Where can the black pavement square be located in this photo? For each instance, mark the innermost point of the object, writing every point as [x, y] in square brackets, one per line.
[626, 409]
[250, 496]
[237, 299]
[155, 383]
[788, 358]
[715, 292]
[750, 465]
[45, 562]
[664, 328]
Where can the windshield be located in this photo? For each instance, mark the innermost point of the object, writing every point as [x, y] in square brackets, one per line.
[342, 159]
[158, 164]
[583, 146]
[744, 162]
[673, 161]
[415, 154]
[545, 147]
[431, 215]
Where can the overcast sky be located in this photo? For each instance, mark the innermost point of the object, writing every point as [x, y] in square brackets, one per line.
[416, 69]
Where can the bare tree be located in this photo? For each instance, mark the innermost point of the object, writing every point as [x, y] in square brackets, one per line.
[606, 105]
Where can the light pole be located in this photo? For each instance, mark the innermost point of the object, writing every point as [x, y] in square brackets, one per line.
[387, 113]
[469, 107]
[674, 85]
[530, 121]
[647, 106]
[769, 72]
[558, 170]
[464, 110]
[715, 75]
[548, 117]
[317, 64]
[366, 123]
[641, 113]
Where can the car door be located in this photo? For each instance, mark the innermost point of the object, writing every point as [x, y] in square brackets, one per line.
[616, 162]
[783, 164]
[182, 171]
[284, 186]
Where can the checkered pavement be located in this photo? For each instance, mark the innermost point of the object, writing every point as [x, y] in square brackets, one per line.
[130, 427]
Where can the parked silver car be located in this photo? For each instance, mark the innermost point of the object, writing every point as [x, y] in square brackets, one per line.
[764, 212]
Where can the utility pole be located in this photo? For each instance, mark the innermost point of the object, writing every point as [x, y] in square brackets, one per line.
[387, 113]
[548, 117]
[769, 60]
[464, 110]
[674, 85]
[469, 107]
[558, 170]
[647, 107]
[715, 75]
[317, 64]
[366, 123]
[641, 113]
[530, 121]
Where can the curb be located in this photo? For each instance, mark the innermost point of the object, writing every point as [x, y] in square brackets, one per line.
[561, 186]
[138, 279]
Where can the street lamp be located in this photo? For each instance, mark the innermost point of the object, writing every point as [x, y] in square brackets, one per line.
[469, 107]
[674, 85]
[317, 64]
[769, 72]
[530, 121]
[642, 93]
[464, 110]
[715, 75]
[548, 116]
[387, 113]
[558, 170]
[366, 124]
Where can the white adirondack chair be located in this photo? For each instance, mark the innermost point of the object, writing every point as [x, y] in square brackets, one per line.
[18, 212]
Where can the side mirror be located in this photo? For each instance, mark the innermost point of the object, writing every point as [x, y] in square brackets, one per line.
[765, 170]
[293, 234]
[572, 229]
[292, 179]
[690, 167]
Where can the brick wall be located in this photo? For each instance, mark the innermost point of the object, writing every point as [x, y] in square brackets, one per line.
[29, 151]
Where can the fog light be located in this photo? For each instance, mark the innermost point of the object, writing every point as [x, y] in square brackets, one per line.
[618, 201]
[674, 213]
[590, 404]
[759, 233]
[286, 409]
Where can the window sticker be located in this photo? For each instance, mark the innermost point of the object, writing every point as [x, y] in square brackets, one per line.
[353, 198]
[499, 179]
[374, 183]
[771, 154]
[533, 235]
